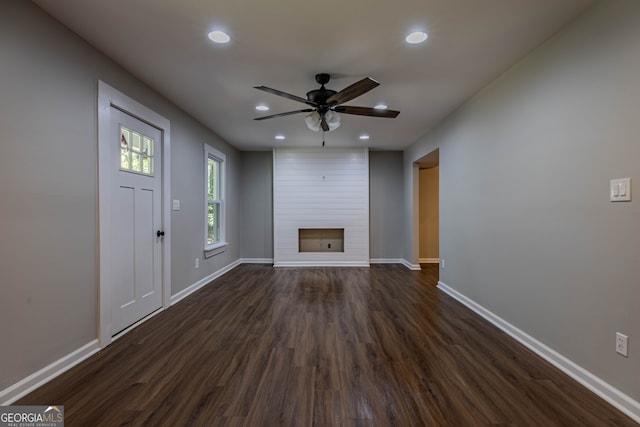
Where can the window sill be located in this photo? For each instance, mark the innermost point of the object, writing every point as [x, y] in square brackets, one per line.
[213, 250]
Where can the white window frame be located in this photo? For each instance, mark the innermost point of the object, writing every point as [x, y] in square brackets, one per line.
[212, 153]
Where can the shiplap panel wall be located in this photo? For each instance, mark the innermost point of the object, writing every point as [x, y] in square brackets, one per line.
[321, 188]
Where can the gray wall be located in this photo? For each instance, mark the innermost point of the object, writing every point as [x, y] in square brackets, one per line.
[385, 201]
[526, 227]
[256, 204]
[48, 188]
[187, 185]
[385, 204]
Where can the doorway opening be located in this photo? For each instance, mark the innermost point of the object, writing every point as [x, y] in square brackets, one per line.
[428, 211]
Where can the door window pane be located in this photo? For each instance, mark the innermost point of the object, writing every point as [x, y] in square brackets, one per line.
[135, 144]
[147, 165]
[136, 152]
[147, 146]
[124, 158]
[136, 162]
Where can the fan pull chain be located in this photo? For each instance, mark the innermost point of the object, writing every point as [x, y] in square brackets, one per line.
[323, 137]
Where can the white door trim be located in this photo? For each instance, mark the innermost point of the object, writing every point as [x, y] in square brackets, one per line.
[109, 97]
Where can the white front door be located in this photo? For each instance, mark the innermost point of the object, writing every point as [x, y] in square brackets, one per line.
[136, 220]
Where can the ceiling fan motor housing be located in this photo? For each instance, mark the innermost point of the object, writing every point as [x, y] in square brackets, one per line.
[320, 96]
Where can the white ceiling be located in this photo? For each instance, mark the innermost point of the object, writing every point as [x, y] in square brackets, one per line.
[284, 43]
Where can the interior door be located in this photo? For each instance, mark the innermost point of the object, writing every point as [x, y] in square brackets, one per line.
[136, 228]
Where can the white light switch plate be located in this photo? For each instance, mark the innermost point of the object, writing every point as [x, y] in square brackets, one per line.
[620, 190]
[176, 205]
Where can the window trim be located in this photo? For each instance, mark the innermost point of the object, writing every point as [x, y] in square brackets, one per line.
[210, 152]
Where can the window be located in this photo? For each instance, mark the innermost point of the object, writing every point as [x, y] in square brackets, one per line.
[214, 199]
[136, 152]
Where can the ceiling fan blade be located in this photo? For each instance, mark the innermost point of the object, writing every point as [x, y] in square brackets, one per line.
[285, 95]
[366, 111]
[323, 124]
[358, 88]
[288, 113]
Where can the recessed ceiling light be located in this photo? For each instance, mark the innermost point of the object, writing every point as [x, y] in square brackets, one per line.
[262, 107]
[280, 137]
[416, 37]
[219, 37]
[364, 137]
[381, 107]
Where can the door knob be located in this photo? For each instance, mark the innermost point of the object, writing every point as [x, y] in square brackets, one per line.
[160, 233]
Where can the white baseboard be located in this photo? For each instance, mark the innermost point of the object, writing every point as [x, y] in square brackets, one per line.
[429, 260]
[386, 261]
[322, 264]
[615, 397]
[46, 374]
[256, 260]
[202, 282]
[410, 266]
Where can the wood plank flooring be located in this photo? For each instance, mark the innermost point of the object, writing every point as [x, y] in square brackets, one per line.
[377, 346]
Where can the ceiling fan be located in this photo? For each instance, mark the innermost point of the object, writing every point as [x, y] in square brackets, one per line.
[325, 103]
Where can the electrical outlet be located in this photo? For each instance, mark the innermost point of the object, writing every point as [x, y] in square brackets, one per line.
[621, 344]
[197, 263]
[442, 263]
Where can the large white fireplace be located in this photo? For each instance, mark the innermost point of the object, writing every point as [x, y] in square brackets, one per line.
[321, 207]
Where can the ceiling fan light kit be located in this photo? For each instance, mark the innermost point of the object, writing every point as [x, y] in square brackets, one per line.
[326, 103]
[314, 120]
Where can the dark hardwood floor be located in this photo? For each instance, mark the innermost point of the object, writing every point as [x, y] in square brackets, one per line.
[377, 346]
